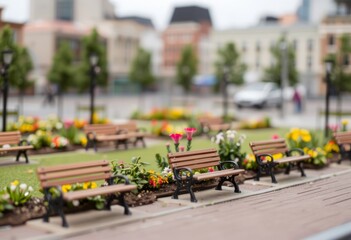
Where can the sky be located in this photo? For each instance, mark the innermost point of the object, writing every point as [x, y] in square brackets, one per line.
[225, 13]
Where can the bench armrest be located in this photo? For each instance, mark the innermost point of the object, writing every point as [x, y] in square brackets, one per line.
[25, 141]
[222, 165]
[50, 196]
[110, 180]
[189, 175]
[259, 161]
[298, 150]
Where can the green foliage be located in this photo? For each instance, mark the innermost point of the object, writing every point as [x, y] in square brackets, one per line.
[341, 79]
[21, 63]
[61, 72]
[229, 63]
[186, 68]
[135, 171]
[40, 139]
[92, 44]
[162, 162]
[140, 71]
[5, 202]
[273, 73]
[229, 146]
[19, 193]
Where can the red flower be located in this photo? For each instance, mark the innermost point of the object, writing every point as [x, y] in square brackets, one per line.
[210, 169]
[176, 137]
[189, 133]
[275, 136]
[181, 148]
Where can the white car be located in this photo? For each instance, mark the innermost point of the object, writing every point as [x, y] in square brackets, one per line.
[259, 95]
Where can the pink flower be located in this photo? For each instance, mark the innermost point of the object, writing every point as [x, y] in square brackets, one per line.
[275, 136]
[181, 148]
[176, 137]
[189, 133]
[68, 123]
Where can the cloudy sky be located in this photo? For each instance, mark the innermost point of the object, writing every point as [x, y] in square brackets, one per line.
[225, 13]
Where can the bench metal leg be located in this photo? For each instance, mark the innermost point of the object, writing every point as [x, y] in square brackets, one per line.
[300, 167]
[189, 187]
[176, 192]
[258, 174]
[220, 183]
[288, 168]
[123, 203]
[236, 186]
[19, 153]
[270, 170]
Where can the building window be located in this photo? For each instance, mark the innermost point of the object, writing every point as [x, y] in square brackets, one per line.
[64, 10]
[331, 40]
[346, 60]
[295, 45]
[244, 48]
[309, 63]
[258, 47]
[310, 45]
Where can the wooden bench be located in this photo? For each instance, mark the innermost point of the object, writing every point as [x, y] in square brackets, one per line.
[215, 124]
[184, 163]
[96, 133]
[134, 134]
[13, 142]
[56, 176]
[264, 150]
[343, 139]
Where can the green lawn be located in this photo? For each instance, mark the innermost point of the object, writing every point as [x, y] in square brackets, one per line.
[27, 172]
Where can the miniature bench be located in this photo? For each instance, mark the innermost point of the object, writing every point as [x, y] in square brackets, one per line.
[132, 132]
[103, 133]
[13, 142]
[343, 139]
[264, 150]
[215, 124]
[56, 176]
[183, 164]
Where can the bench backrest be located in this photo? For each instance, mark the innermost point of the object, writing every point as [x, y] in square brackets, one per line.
[343, 137]
[194, 159]
[210, 120]
[73, 173]
[12, 137]
[269, 147]
[130, 126]
[100, 129]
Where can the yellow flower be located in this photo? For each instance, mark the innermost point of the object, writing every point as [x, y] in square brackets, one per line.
[15, 183]
[277, 156]
[344, 122]
[93, 185]
[66, 188]
[306, 138]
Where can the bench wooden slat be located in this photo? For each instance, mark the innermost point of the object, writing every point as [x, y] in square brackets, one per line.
[211, 150]
[75, 180]
[267, 142]
[75, 172]
[274, 145]
[271, 151]
[216, 174]
[193, 163]
[193, 157]
[16, 148]
[64, 167]
[292, 159]
[76, 195]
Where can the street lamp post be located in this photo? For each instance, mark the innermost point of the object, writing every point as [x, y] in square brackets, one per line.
[225, 91]
[6, 56]
[284, 74]
[328, 68]
[93, 64]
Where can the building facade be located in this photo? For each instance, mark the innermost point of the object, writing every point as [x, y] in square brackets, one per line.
[17, 29]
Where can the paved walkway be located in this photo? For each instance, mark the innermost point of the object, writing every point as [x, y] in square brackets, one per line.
[295, 208]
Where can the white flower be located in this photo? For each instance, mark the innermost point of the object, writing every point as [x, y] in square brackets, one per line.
[26, 194]
[13, 188]
[219, 138]
[58, 125]
[30, 189]
[6, 146]
[23, 186]
[75, 203]
[231, 134]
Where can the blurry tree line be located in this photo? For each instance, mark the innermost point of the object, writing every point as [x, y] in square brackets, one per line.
[67, 74]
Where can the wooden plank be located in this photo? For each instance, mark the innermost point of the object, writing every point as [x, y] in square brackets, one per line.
[74, 172]
[216, 174]
[70, 196]
[72, 166]
[213, 161]
[267, 142]
[270, 151]
[191, 152]
[74, 180]
[270, 146]
[192, 157]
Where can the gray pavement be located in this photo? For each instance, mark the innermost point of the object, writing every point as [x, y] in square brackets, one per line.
[295, 208]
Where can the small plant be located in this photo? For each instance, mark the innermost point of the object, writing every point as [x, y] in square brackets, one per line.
[229, 145]
[19, 193]
[5, 202]
[59, 142]
[135, 172]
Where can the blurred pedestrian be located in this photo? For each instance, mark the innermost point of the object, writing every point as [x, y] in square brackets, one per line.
[49, 95]
[297, 101]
